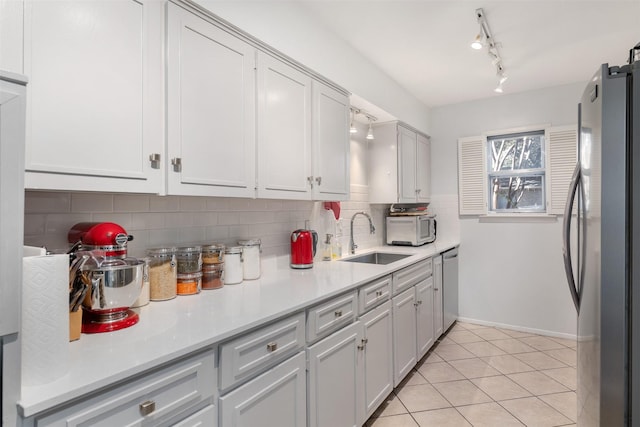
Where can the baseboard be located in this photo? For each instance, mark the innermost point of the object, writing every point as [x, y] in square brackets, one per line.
[519, 328]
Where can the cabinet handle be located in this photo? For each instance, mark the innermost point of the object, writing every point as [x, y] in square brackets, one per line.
[319, 180]
[378, 293]
[364, 342]
[310, 179]
[147, 407]
[436, 289]
[155, 160]
[415, 304]
[418, 190]
[177, 164]
[338, 313]
[272, 346]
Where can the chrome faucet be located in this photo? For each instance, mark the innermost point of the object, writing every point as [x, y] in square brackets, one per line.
[372, 230]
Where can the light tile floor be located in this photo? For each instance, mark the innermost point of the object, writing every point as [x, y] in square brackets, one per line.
[482, 376]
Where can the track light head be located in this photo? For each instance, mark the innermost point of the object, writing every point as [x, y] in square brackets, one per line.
[477, 43]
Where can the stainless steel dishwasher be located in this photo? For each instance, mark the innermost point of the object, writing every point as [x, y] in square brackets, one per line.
[450, 287]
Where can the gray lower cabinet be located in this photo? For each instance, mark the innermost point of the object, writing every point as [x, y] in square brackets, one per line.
[378, 356]
[336, 379]
[273, 399]
[412, 327]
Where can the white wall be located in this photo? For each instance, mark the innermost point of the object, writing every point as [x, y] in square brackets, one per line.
[291, 28]
[511, 273]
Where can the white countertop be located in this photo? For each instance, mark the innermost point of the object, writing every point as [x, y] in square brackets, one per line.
[171, 329]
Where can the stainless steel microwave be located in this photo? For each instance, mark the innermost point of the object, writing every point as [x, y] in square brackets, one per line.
[411, 230]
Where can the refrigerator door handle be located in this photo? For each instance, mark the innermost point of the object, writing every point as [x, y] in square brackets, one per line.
[566, 236]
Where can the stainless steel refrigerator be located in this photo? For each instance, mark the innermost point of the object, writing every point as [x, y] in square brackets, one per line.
[602, 247]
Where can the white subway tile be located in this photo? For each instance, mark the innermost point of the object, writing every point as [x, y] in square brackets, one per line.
[188, 203]
[34, 224]
[217, 203]
[178, 219]
[59, 224]
[47, 202]
[122, 219]
[237, 204]
[237, 232]
[192, 235]
[256, 217]
[91, 202]
[163, 237]
[205, 218]
[138, 246]
[164, 203]
[228, 218]
[217, 233]
[257, 204]
[274, 205]
[131, 203]
[147, 221]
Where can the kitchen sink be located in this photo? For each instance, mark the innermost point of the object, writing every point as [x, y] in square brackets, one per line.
[383, 258]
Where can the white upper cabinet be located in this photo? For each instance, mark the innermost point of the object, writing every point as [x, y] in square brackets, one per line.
[284, 130]
[95, 99]
[303, 137]
[331, 148]
[211, 109]
[399, 165]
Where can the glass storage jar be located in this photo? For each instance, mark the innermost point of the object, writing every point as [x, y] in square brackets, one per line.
[213, 253]
[212, 276]
[162, 273]
[189, 259]
[189, 283]
[251, 258]
[233, 265]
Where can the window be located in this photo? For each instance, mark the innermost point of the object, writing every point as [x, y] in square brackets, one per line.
[516, 172]
[522, 171]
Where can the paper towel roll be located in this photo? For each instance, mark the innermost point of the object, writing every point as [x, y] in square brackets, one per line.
[45, 319]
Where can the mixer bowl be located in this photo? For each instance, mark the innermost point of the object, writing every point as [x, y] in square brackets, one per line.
[113, 288]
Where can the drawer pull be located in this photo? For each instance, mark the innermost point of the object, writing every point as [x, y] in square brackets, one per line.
[378, 293]
[147, 407]
[364, 344]
[338, 313]
[272, 346]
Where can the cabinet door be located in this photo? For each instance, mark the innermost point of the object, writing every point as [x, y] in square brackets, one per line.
[423, 169]
[404, 335]
[424, 316]
[437, 297]
[276, 398]
[336, 379]
[211, 104]
[407, 166]
[95, 100]
[378, 357]
[284, 130]
[330, 144]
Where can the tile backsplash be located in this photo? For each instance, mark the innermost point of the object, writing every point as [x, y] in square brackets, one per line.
[181, 220]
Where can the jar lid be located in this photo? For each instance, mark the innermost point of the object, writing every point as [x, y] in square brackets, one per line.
[187, 276]
[233, 250]
[189, 249]
[250, 242]
[214, 247]
[161, 251]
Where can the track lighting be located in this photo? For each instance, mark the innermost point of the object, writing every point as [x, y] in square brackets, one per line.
[370, 118]
[492, 48]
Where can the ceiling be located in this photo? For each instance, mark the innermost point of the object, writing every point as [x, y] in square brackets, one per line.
[424, 45]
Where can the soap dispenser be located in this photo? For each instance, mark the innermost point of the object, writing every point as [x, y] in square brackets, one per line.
[326, 250]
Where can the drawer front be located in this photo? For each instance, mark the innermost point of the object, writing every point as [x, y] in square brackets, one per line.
[411, 275]
[149, 400]
[275, 398]
[373, 294]
[250, 353]
[330, 316]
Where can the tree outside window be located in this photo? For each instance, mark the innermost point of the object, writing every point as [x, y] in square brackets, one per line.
[516, 175]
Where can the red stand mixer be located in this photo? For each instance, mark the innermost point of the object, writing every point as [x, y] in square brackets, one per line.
[115, 281]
